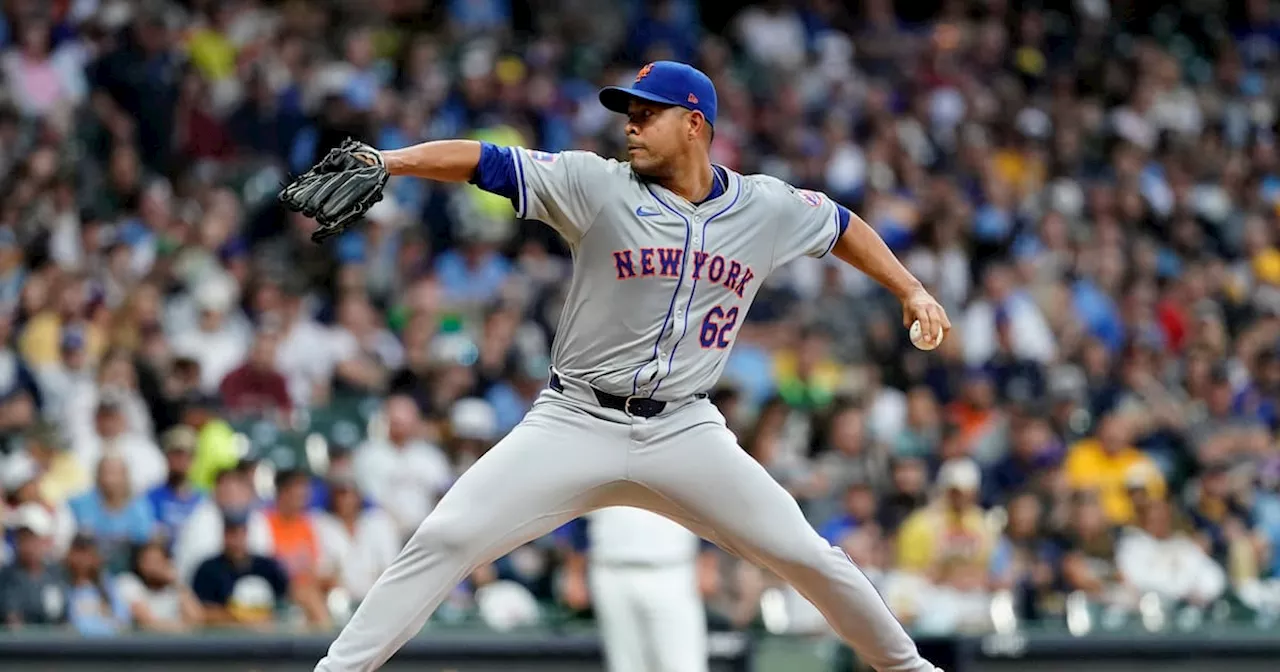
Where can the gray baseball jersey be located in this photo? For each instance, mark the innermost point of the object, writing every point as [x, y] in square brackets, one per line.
[660, 284]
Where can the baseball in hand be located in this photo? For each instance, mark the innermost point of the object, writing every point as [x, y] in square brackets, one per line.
[921, 341]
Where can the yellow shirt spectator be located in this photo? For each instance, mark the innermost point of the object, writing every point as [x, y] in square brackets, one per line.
[1090, 466]
[42, 340]
[949, 539]
[212, 53]
[936, 539]
[215, 451]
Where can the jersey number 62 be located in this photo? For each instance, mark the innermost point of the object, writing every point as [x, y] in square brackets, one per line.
[717, 327]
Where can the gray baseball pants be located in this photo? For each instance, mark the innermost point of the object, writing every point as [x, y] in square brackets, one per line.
[570, 456]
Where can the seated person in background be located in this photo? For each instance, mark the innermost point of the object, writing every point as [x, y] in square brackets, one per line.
[33, 589]
[297, 546]
[237, 587]
[1225, 524]
[947, 547]
[112, 514]
[1157, 559]
[1021, 562]
[62, 475]
[362, 540]
[909, 478]
[174, 500]
[1106, 463]
[1086, 553]
[859, 511]
[200, 536]
[156, 599]
[94, 605]
[20, 484]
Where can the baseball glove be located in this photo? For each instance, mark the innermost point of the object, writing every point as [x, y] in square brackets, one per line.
[338, 190]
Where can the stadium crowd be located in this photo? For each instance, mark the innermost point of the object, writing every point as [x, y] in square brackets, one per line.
[207, 420]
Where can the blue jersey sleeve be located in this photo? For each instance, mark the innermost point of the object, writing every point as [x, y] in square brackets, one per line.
[496, 172]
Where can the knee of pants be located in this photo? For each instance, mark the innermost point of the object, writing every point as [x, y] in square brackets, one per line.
[440, 535]
[815, 557]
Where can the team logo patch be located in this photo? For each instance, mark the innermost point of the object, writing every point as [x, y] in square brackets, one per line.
[543, 157]
[693, 99]
[813, 198]
[644, 72]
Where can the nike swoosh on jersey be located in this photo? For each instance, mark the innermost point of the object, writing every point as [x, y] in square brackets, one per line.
[642, 211]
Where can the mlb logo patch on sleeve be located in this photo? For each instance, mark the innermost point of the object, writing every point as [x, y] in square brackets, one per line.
[813, 198]
[543, 157]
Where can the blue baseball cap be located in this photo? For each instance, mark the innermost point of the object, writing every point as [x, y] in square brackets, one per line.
[666, 83]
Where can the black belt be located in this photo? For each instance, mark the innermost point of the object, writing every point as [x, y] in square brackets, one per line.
[640, 407]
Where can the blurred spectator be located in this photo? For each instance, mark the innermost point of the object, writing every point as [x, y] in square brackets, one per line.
[216, 448]
[158, 601]
[296, 542]
[1108, 464]
[256, 388]
[361, 540]
[112, 514]
[946, 548]
[1225, 524]
[213, 341]
[238, 587]
[907, 492]
[33, 591]
[62, 475]
[1158, 559]
[851, 459]
[112, 438]
[201, 535]
[22, 483]
[173, 501]
[19, 392]
[473, 429]
[404, 474]
[1034, 452]
[95, 606]
[1023, 558]
[1086, 552]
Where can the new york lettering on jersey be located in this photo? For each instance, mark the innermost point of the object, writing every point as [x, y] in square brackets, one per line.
[732, 274]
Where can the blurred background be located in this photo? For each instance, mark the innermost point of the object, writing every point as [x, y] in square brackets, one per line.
[1090, 187]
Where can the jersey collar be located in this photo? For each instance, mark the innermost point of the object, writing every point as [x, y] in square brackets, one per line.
[719, 184]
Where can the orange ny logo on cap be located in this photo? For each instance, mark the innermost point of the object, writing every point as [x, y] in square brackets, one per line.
[644, 72]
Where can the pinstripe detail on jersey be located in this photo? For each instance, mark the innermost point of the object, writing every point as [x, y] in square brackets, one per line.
[688, 229]
[693, 289]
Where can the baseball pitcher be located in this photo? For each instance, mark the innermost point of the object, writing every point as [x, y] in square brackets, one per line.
[669, 251]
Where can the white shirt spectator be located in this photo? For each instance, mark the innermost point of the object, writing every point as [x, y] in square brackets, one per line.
[1174, 567]
[406, 480]
[218, 353]
[360, 555]
[147, 466]
[200, 538]
[1032, 337]
[775, 38]
[307, 356]
[164, 604]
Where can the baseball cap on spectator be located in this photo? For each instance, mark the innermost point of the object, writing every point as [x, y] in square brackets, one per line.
[33, 518]
[959, 474]
[666, 83]
[1140, 476]
[473, 419]
[179, 439]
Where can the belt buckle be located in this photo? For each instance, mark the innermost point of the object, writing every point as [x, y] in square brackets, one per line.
[626, 404]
